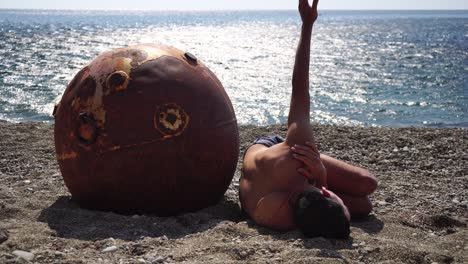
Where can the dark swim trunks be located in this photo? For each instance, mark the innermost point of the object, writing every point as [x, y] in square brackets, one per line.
[269, 141]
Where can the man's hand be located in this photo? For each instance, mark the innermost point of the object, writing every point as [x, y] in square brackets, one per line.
[309, 14]
[313, 169]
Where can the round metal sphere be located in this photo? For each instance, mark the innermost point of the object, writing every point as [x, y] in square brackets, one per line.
[146, 129]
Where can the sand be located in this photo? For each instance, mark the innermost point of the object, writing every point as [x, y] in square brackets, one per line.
[420, 216]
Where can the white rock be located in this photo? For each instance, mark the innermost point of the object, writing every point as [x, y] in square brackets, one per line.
[382, 203]
[110, 249]
[28, 256]
[27, 181]
[160, 259]
[405, 149]
[395, 150]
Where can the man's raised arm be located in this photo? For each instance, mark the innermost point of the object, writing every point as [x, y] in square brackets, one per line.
[299, 113]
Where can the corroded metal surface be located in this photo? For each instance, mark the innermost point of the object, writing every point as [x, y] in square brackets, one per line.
[146, 129]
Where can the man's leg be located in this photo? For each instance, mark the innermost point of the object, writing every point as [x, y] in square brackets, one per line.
[358, 206]
[348, 179]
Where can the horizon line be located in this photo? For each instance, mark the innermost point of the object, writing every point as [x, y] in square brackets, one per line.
[211, 10]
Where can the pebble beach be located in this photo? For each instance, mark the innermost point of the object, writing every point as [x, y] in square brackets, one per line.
[420, 208]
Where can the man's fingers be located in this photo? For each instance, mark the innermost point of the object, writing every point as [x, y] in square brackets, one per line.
[304, 172]
[308, 162]
[305, 152]
[309, 147]
[312, 146]
[303, 149]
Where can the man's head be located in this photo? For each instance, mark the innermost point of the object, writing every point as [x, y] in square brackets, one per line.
[320, 213]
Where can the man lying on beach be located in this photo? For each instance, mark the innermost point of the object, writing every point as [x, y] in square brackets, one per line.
[286, 183]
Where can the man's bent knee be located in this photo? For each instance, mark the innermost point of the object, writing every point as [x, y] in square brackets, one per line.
[367, 184]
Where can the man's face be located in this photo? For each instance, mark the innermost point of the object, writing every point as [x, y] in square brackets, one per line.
[329, 194]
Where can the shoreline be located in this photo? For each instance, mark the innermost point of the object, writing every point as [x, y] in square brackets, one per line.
[420, 216]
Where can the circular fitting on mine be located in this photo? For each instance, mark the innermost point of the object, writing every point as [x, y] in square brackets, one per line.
[117, 81]
[190, 57]
[86, 129]
[170, 119]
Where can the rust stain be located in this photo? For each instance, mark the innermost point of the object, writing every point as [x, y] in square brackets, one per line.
[67, 156]
[114, 148]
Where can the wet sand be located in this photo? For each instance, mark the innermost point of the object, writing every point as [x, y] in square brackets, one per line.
[421, 207]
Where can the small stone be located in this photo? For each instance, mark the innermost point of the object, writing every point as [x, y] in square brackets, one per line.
[395, 150]
[414, 234]
[28, 256]
[160, 259]
[142, 261]
[368, 249]
[355, 245]
[135, 216]
[110, 241]
[164, 237]
[3, 235]
[406, 149]
[362, 244]
[243, 254]
[110, 249]
[382, 203]
[27, 181]
[456, 201]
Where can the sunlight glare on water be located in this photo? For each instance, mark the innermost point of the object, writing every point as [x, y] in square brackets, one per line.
[386, 69]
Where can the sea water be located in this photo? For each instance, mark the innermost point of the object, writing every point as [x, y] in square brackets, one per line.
[368, 68]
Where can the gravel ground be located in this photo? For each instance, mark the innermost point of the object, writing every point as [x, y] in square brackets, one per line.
[421, 207]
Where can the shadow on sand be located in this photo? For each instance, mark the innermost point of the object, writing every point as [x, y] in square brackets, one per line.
[68, 220]
[328, 247]
[370, 225]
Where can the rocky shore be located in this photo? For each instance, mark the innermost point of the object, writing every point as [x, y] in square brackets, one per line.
[420, 216]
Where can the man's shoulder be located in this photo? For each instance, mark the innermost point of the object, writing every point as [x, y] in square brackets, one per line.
[274, 211]
[268, 157]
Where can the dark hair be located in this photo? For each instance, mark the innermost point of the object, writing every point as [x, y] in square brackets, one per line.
[319, 216]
